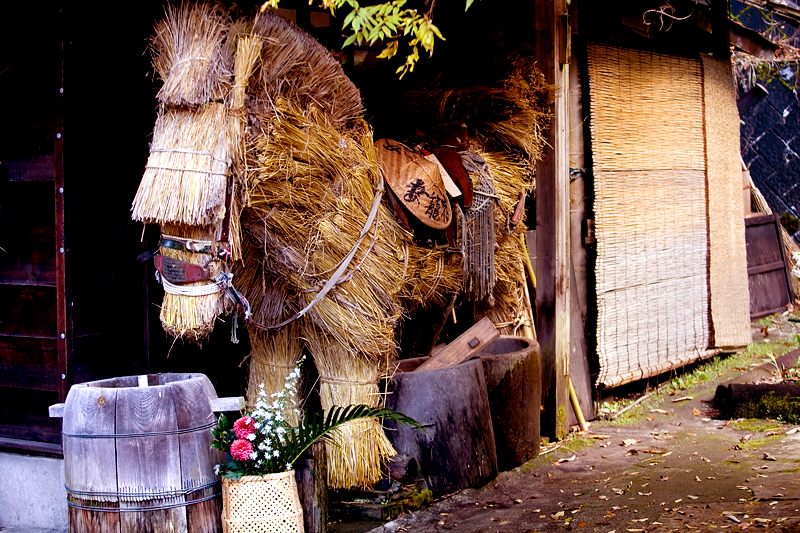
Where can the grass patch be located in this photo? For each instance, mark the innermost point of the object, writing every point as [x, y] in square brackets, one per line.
[754, 424]
[755, 442]
[696, 376]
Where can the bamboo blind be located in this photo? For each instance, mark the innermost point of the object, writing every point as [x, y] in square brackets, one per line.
[730, 297]
[652, 264]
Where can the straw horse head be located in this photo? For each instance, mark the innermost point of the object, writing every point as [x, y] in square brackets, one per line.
[264, 179]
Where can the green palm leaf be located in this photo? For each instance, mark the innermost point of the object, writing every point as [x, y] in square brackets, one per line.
[321, 426]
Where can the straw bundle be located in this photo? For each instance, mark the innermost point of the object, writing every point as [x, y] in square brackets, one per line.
[186, 175]
[434, 276]
[192, 317]
[345, 379]
[297, 67]
[192, 54]
[248, 57]
[273, 356]
[510, 307]
[312, 190]
[509, 116]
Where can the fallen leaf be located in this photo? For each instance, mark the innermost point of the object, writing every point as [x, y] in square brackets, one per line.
[696, 412]
[567, 459]
[682, 399]
[557, 515]
[792, 431]
[692, 497]
[650, 418]
[768, 457]
[581, 524]
[733, 518]
[517, 501]
[629, 442]
[659, 411]
[705, 419]
[706, 460]
[697, 478]
[598, 437]
[746, 438]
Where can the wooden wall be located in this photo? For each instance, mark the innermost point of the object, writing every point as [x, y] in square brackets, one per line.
[71, 150]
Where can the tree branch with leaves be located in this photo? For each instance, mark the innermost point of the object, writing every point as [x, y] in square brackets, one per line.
[389, 22]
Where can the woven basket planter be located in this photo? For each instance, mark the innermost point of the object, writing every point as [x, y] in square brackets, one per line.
[262, 504]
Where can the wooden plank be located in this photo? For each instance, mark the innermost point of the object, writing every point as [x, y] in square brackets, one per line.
[28, 311]
[579, 369]
[552, 223]
[28, 362]
[63, 329]
[149, 464]
[197, 458]
[311, 474]
[90, 463]
[769, 267]
[30, 446]
[221, 405]
[464, 347]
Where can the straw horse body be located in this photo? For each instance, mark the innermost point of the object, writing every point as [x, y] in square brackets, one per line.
[264, 176]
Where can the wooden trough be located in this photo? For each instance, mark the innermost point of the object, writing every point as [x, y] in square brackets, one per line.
[457, 448]
[512, 370]
[480, 415]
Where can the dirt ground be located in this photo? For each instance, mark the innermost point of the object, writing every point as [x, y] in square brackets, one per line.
[672, 466]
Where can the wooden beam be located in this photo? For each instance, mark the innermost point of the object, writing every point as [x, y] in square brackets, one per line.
[552, 221]
[63, 314]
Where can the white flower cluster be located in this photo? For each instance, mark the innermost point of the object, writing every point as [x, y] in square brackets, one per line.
[270, 420]
[796, 269]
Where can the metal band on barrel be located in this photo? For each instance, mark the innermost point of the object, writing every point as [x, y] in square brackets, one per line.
[134, 435]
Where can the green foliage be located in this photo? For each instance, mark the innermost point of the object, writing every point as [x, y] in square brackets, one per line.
[389, 23]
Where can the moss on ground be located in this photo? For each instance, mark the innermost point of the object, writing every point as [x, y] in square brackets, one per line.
[785, 408]
[754, 424]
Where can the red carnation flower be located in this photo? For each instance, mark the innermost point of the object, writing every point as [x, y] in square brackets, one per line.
[241, 450]
[244, 427]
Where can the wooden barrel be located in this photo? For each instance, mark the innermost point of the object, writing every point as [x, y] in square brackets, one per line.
[512, 369]
[138, 457]
[457, 449]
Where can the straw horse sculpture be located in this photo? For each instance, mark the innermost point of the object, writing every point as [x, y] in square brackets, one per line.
[264, 180]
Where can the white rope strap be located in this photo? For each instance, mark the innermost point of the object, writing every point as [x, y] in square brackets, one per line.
[189, 290]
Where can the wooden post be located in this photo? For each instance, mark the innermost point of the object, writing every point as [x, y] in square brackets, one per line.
[579, 371]
[63, 333]
[552, 221]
